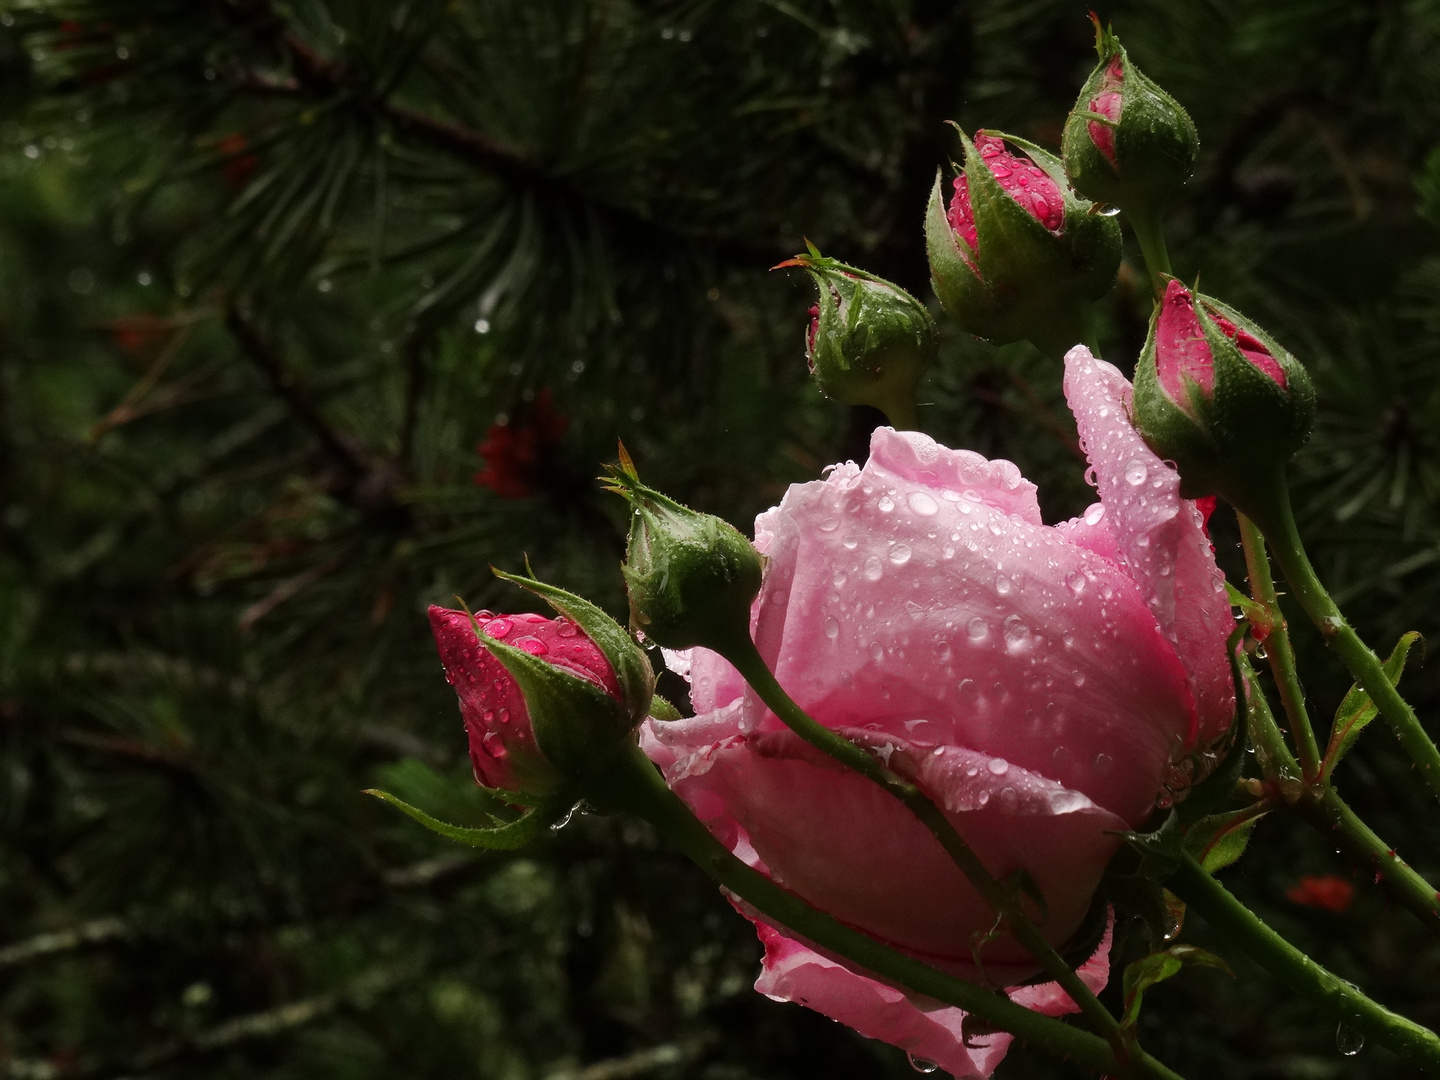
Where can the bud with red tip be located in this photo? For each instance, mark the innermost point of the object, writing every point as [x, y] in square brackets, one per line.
[544, 700]
[1016, 255]
[1127, 142]
[1221, 398]
[869, 341]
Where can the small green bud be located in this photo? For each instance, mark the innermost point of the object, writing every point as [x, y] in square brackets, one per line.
[691, 577]
[1127, 142]
[1221, 398]
[1016, 255]
[869, 340]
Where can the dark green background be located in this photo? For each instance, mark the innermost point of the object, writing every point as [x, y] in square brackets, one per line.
[243, 250]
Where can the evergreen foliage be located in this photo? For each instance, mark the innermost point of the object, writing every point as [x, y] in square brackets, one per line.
[271, 272]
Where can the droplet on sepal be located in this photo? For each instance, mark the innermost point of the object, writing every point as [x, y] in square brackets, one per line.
[920, 1065]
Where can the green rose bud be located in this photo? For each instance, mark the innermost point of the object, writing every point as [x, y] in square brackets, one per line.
[1127, 142]
[1016, 256]
[1221, 398]
[869, 341]
[691, 577]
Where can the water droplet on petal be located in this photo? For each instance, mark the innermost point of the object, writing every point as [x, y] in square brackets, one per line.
[565, 628]
[503, 716]
[1003, 585]
[998, 766]
[493, 745]
[922, 504]
[877, 651]
[1076, 581]
[1103, 763]
[498, 628]
[978, 629]
[849, 542]
[1094, 514]
[1017, 634]
[1135, 472]
[839, 578]
[886, 504]
[873, 569]
[829, 525]
[534, 646]
[900, 554]
[832, 627]
[920, 1065]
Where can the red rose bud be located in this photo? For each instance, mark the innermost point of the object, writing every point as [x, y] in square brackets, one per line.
[1015, 255]
[1219, 397]
[691, 577]
[544, 700]
[1322, 891]
[1127, 142]
[517, 451]
[869, 341]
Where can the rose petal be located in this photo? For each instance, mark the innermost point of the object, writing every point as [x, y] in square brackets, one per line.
[1160, 535]
[926, 1029]
[838, 840]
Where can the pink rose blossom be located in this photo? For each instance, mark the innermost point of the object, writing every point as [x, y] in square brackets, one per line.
[502, 743]
[1182, 353]
[1036, 681]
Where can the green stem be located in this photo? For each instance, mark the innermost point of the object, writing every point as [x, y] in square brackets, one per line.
[634, 786]
[1284, 540]
[1278, 649]
[900, 411]
[1002, 900]
[1067, 324]
[1150, 231]
[1329, 813]
[1276, 761]
[1202, 893]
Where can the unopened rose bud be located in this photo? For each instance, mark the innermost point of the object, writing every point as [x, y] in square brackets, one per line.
[1127, 142]
[691, 577]
[1218, 396]
[1016, 255]
[543, 700]
[869, 341]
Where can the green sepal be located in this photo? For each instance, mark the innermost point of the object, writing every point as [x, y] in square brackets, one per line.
[1156, 968]
[1156, 142]
[1218, 840]
[515, 834]
[662, 710]
[577, 725]
[628, 660]
[1357, 710]
[1160, 849]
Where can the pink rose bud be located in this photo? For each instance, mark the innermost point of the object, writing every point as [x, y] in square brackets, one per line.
[1042, 684]
[503, 745]
[1219, 396]
[1015, 255]
[1127, 143]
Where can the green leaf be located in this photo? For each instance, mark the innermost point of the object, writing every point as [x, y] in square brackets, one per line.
[660, 709]
[1357, 710]
[516, 834]
[632, 667]
[1156, 968]
[1218, 840]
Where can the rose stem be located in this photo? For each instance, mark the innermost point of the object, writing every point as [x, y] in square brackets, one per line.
[1324, 809]
[1320, 805]
[1278, 525]
[1145, 220]
[1277, 647]
[1002, 901]
[1202, 893]
[633, 785]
